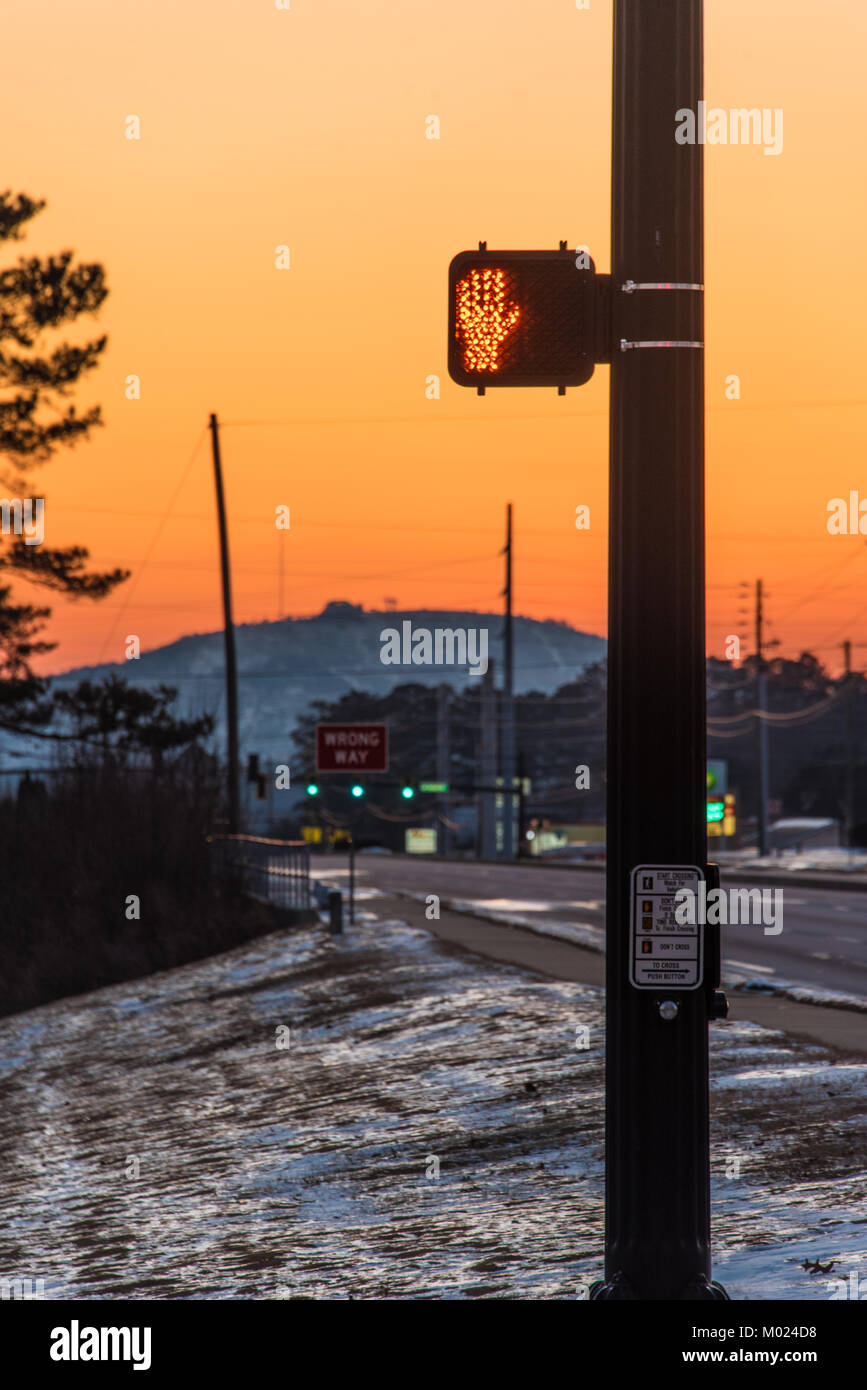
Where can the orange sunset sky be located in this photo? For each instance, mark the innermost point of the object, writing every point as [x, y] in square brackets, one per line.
[306, 127]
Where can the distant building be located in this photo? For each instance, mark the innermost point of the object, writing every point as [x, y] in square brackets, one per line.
[804, 832]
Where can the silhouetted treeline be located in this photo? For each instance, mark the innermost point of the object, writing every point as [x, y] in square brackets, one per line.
[808, 735]
[808, 739]
[105, 877]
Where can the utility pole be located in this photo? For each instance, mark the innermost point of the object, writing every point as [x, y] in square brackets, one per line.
[522, 779]
[486, 802]
[280, 575]
[229, 640]
[851, 750]
[442, 755]
[508, 706]
[657, 1240]
[761, 707]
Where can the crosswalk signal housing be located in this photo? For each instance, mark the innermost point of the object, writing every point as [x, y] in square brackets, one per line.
[522, 318]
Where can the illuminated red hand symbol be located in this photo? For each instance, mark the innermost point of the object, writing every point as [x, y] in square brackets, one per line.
[485, 318]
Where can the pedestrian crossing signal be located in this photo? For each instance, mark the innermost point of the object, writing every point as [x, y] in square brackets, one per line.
[522, 318]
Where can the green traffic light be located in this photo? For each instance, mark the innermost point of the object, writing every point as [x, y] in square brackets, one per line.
[312, 789]
[408, 792]
[357, 789]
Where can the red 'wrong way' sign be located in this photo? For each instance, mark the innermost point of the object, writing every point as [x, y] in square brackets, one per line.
[352, 748]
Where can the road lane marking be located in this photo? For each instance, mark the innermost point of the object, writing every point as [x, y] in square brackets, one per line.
[536, 905]
[747, 965]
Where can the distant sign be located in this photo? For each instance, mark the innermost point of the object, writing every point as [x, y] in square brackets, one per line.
[433, 786]
[352, 748]
[664, 953]
[728, 824]
[421, 841]
[717, 777]
[545, 840]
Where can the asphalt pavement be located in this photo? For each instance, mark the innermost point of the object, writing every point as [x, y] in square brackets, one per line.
[823, 942]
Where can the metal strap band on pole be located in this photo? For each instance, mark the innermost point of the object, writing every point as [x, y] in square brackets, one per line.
[627, 346]
[630, 286]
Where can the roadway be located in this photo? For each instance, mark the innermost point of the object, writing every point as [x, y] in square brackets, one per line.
[823, 942]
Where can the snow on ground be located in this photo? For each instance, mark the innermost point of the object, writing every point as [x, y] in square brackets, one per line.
[591, 935]
[166, 1139]
[803, 994]
[827, 859]
[513, 913]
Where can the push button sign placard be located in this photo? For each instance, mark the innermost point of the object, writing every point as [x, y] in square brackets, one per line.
[664, 953]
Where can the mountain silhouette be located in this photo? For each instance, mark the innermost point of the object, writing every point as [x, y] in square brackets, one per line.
[284, 665]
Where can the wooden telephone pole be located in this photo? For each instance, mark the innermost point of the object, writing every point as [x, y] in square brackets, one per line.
[234, 795]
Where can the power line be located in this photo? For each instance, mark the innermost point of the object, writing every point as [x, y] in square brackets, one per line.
[804, 716]
[134, 585]
[555, 415]
[854, 554]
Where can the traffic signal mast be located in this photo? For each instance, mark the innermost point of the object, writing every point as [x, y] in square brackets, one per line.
[544, 318]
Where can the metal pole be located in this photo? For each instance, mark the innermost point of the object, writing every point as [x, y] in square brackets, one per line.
[508, 702]
[229, 640]
[762, 733]
[352, 874]
[851, 751]
[442, 754]
[657, 1162]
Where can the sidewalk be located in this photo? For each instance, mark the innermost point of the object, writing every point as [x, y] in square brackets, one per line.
[841, 1029]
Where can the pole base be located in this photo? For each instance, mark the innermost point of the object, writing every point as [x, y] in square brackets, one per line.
[701, 1288]
[619, 1289]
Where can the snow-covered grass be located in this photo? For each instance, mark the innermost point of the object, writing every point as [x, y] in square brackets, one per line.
[376, 1115]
